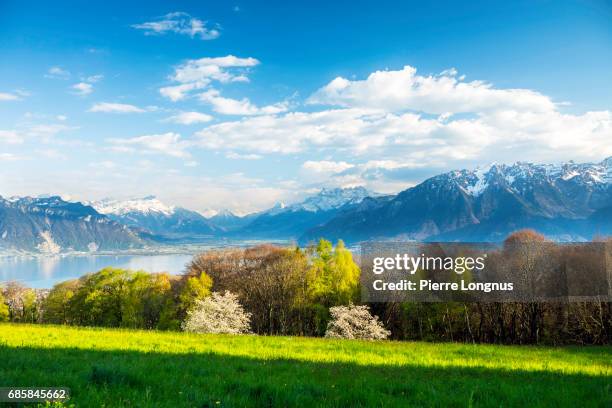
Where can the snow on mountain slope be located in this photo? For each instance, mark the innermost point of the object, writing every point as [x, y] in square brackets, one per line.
[151, 214]
[146, 205]
[52, 225]
[474, 182]
[568, 199]
[290, 221]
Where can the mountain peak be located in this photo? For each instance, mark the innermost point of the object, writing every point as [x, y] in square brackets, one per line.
[145, 205]
[329, 199]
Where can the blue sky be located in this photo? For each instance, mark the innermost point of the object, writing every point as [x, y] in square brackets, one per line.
[217, 104]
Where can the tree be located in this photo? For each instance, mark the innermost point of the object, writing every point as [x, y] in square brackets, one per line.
[4, 309]
[23, 302]
[355, 322]
[57, 303]
[333, 278]
[100, 298]
[219, 313]
[274, 290]
[195, 288]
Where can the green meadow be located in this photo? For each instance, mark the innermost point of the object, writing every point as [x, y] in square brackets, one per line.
[131, 368]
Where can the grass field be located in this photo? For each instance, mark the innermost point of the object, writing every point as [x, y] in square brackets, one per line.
[124, 368]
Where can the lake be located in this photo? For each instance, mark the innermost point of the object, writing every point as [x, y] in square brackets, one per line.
[44, 272]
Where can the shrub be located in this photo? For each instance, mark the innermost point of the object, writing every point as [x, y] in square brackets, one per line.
[355, 322]
[218, 314]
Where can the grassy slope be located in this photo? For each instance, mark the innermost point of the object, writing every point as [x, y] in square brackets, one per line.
[138, 368]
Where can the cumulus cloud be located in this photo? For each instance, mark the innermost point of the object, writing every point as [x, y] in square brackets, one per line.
[5, 96]
[108, 107]
[416, 140]
[178, 92]
[57, 73]
[189, 118]
[179, 23]
[377, 123]
[82, 88]
[198, 73]
[8, 157]
[238, 156]
[355, 130]
[169, 144]
[242, 107]
[326, 166]
[105, 164]
[404, 89]
[10, 137]
[85, 87]
[16, 95]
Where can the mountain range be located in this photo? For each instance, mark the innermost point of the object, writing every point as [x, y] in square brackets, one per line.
[566, 202]
[290, 222]
[51, 225]
[150, 214]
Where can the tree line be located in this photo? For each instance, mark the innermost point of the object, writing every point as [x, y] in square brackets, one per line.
[290, 291]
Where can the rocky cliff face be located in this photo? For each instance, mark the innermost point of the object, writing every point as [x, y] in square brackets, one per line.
[52, 225]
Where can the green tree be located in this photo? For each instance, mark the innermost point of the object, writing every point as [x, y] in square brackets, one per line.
[99, 300]
[333, 278]
[4, 309]
[56, 305]
[195, 288]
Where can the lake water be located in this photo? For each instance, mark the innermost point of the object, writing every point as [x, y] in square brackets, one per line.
[44, 272]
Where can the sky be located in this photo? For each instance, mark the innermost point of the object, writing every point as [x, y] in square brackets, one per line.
[239, 105]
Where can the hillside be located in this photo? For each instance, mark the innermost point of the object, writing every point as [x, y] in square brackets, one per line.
[138, 368]
[151, 215]
[291, 221]
[567, 202]
[52, 225]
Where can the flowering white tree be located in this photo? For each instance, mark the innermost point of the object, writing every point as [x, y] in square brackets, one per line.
[355, 322]
[218, 313]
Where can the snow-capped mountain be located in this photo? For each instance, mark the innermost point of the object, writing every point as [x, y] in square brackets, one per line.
[53, 225]
[146, 205]
[331, 199]
[290, 221]
[152, 215]
[228, 221]
[562, 201]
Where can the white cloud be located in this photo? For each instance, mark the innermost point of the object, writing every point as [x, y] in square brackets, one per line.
[57, 73]
[242, 107]
[92, 79]
[167, 143]
[326, 166]
[82, 88]
[10, 137]
[403, 90]
[218, 69]
[355, 130]
[38, 133]
[52, 154]
[179, 23]
[108, 107]
[179, 92]
[8, 157]
[5, 96]
[190, 118]
[104, 164]
[238, 156]
[416, 141]
[199, 73]
[85, 87]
